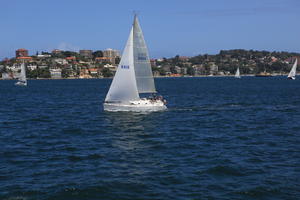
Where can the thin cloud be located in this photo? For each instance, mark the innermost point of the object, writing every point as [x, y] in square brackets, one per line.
[242, 11]
[67, 47]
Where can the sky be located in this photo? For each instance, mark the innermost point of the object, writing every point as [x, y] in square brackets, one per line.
[171, 27]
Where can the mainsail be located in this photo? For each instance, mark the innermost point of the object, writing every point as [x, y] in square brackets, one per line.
[292, 73]
[237, 74]
[23, 73]
[22, 77]
[143, 71]
[123, 87]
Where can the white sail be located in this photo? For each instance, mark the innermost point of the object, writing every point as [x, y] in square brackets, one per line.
[22, 77]
[123, 87]
[142, 67]
[292, 73]
[237, 73]
[23, 73]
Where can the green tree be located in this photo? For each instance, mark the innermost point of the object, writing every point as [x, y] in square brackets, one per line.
[44, 73]
[31, 73]
[173, 70]
[162, 72]
[117, 60]
[97, 54]
[69, 54]
[190, 71]
[106, 72]
[64, 73]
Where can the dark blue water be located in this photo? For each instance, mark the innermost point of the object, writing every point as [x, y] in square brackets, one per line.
[221, 138]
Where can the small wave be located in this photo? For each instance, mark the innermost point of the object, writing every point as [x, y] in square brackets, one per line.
[183, 109]
[260, 192]
[16, 198]
[94, 156]
[76, 158]
[72, 130]
[208, 107]
[40, 119]
[68, 148]
[109, 190]
[254, 160]
[3, 177]
[224, 171]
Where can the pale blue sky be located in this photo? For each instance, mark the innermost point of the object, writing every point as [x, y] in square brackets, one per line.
[171, 27]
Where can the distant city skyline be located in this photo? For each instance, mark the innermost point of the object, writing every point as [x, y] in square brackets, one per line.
[170, 27]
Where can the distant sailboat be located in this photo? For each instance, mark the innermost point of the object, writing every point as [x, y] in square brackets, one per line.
[237, 73]
[292, 74]
[22, 81]
[133, 77]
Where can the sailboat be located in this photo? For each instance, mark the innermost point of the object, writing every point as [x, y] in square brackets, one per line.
[292, 74]
[22, 81]
[133, 78]
[237, 73]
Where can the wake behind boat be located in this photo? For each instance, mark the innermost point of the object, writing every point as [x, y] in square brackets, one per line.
[134, 77]
[292, 74]
[22, 80]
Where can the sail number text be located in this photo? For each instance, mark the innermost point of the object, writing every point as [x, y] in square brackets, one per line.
[124, 66]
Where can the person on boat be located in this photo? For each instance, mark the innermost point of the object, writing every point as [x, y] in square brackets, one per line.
[165, 102]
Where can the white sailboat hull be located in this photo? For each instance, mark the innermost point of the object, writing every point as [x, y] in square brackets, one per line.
[19, 83]
[292, 77]
[142, 105]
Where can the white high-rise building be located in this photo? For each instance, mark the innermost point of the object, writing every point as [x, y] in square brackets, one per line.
[112, 54]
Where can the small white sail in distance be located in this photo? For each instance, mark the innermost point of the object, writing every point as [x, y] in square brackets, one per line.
[292, 74]
[237, 73]
[22, 80]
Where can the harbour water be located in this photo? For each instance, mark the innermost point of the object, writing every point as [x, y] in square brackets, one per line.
[221, 138]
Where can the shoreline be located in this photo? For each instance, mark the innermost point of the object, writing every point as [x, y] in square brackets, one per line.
[198, 76]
